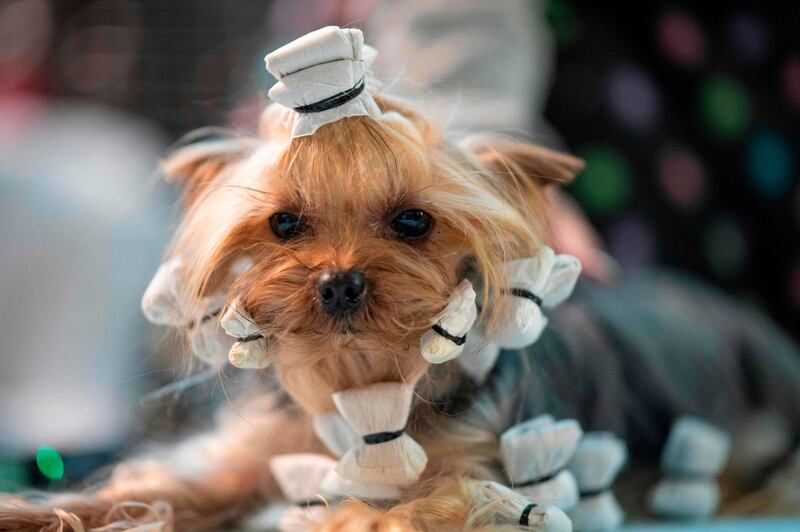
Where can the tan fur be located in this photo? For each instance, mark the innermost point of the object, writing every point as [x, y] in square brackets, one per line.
[348, 180]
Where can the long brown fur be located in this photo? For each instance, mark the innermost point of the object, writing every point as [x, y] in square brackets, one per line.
[347, 180]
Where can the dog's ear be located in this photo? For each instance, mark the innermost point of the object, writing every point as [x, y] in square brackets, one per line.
[516, 160]
[197, 159]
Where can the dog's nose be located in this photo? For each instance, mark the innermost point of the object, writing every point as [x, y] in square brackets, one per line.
[341, 291]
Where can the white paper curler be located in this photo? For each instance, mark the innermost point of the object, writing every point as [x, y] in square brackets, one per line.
[447, 337]
[495, 504]
[207, 338]
[596, 463]
[251, 347]
[694, 447]
[479, 356]
[323, 76]
[597, 513]
[695, 453]
[543, 281]
[535, 454]
[337, 435]
[386, 454]
[299, 477]
[336, 486]
[334, 431]
[678, 498]
[161, 303]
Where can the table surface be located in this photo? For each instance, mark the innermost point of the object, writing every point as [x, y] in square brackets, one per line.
[738, 525]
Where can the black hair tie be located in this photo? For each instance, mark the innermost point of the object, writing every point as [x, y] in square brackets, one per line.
[205, 318]
[526, 513]
[538, 480]
[458, 340]
[594, 493]
[521, 292]
[382, 437]
[251, 338]
[311, 502]
[336, 100]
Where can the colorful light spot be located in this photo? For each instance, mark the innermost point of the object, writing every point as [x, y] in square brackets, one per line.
[633, 98]
[725, 108]
[50, 463]
[681, 39]
[606, 184]
[749, 37]
[561, 17]
[682, 177]
[725, 248]
[632, 242]
[791, 81]
[770, 163]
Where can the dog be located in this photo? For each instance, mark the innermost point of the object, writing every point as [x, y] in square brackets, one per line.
[353, 237]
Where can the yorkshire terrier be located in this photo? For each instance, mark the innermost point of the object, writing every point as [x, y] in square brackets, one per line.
[354, 237]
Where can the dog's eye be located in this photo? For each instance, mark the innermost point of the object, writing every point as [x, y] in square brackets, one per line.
[286, 225]
[412, 223]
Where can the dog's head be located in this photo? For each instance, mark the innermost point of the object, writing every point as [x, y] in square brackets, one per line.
[357, 235]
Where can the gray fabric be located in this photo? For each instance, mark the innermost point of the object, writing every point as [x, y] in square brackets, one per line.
[633, 358]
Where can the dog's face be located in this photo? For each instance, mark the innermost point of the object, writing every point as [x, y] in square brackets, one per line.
[357, 235]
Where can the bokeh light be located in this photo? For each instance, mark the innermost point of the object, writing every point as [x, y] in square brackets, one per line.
[49, 462]
[725, 248]
[633, 98]
[605, 186]
[791, 81]
[769, 160]
[749, 37]
[681, 39]
[682, 177]
[725, 108]
[632, 242]
[561, 17]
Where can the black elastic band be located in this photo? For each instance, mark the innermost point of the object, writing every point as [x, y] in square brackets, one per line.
[205, 318]
[251, 338]
[382, 437]
[526, 513]
[336, 100]
[521, 292]
[537, 480]
[311, 502]
[593, 493]
[458, 340]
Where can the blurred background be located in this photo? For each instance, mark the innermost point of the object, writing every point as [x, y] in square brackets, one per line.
[686, 113]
